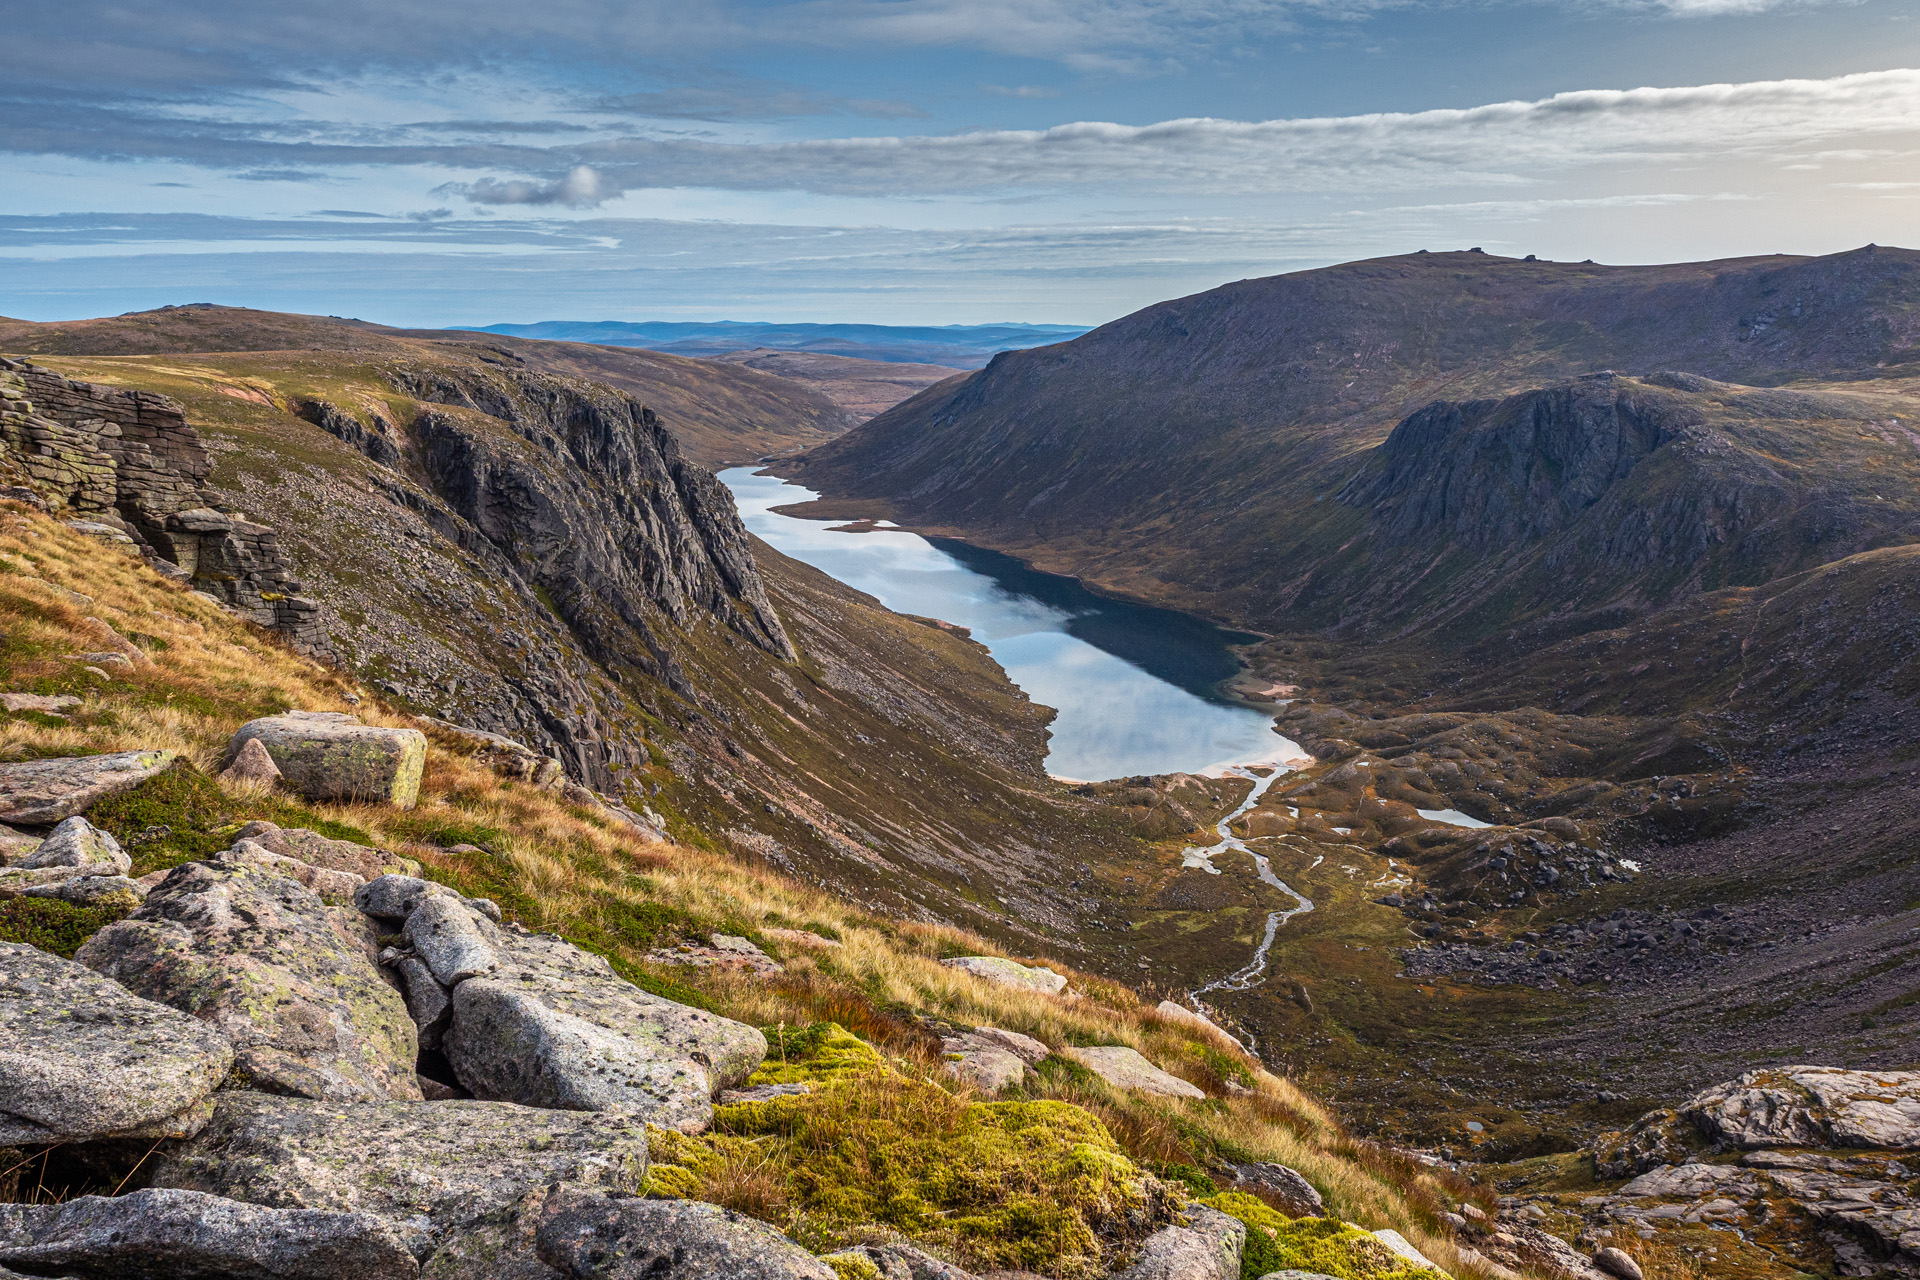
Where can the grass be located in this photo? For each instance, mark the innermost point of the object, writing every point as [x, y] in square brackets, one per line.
[1071, 1154]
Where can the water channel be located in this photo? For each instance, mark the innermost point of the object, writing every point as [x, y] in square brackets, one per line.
[1136, 688]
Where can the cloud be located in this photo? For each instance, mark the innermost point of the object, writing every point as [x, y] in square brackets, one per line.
[1019, 91]
[580, 188]
[1507, 143]
[748, 101]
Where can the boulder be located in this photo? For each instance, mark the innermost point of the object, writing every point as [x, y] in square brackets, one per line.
[447, 936]
[1025, 1048]
[1404, 1247]
[334, 887]
[1619, 1263]
[429, 1004]
[47, 704]
[326, 755]
[78, 847]
[84, 1058]
[251, 764]
[288, 978]
[1125, 1068]
[1009, 973]
[1295, 1193]
[1207, 1248]
[899, 1262]
[15, 845]
[92, 891]
[427, 1168]
[114, 642]
[555, 1027]
[317, 850]
[981, 1063]
[497, 1245]
[183, 1235]
[37, 793]
[1807, 1106]
[595, 1237]
[393, 897]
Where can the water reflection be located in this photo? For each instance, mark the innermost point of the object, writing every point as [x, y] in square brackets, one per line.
[1134, 686]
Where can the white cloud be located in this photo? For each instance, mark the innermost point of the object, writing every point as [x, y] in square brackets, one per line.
[1506, 144]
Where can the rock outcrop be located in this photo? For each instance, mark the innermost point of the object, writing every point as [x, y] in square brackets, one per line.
[429, 1168]
[131, 460]
[1124, 1067]
[42, 792]
[530, 1018]
[85, 1059]
[1207, 1248]
[185, 1235]
[594, 1237]
[329, 755]
[1009, 973]
[290, 979]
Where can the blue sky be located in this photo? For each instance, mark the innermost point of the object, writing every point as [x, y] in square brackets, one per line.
[915, 161]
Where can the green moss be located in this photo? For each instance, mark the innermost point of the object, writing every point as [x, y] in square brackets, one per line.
[53, 925]
[1192, 1177]
[1033, 1185]
[1327, 1246]
[181, 815]
[822, 1052]
[852, 1266]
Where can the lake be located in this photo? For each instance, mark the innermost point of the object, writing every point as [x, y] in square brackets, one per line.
[1136, 688]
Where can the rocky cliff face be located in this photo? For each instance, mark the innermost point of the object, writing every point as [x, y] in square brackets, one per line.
[130, 460]
[1608, 494]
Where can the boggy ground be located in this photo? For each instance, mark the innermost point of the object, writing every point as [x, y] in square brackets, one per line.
[1700, 864]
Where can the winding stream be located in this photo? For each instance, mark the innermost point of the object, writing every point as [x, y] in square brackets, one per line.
[1254, 972]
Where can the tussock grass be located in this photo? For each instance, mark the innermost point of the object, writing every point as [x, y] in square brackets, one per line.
[554, 866]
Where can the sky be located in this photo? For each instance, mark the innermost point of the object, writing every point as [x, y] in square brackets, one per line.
[419, 163]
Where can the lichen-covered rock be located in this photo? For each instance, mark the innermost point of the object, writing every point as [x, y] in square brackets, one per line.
[1207, 1248]
[288, 978]
[84, 1058]
[183, 1235]
[1126, 1068]
[555, 1027]
[427, 1168]
[1811, 1106]
[92, 891]
[1656, 1138]
[1286, 1185]
[497, 1245]
[334, 887]
[981, 1063]
[447, 936]
[596, 1237]
[428, 1003]
[39, 792]
[1009, 973]
[78, 843]
[1025, 1048]
[317, 850]
[393, 897]
[894, 1262]
[328, 755]
[504, 755]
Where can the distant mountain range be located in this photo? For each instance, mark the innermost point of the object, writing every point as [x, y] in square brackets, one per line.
[960, 346]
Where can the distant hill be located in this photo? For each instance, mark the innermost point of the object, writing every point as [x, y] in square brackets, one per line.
[721, 413]
[959, 346]
[1222, 451]
[861, 387]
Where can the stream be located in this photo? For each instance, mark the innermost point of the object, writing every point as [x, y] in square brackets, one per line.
[1254, 972]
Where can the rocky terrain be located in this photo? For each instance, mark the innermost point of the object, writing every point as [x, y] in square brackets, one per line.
[862, 387]
[296, 984]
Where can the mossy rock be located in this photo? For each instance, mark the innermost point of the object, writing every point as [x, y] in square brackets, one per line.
[1326, 1246]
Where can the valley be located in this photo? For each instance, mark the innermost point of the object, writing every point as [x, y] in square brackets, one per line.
[1503, 772]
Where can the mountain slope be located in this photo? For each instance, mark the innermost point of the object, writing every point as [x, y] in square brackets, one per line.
[1160, 454]
[721, 414]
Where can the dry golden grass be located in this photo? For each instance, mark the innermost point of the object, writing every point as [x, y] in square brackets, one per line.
[559, 867]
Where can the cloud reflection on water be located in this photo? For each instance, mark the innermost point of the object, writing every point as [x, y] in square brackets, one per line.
[1115, 718]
